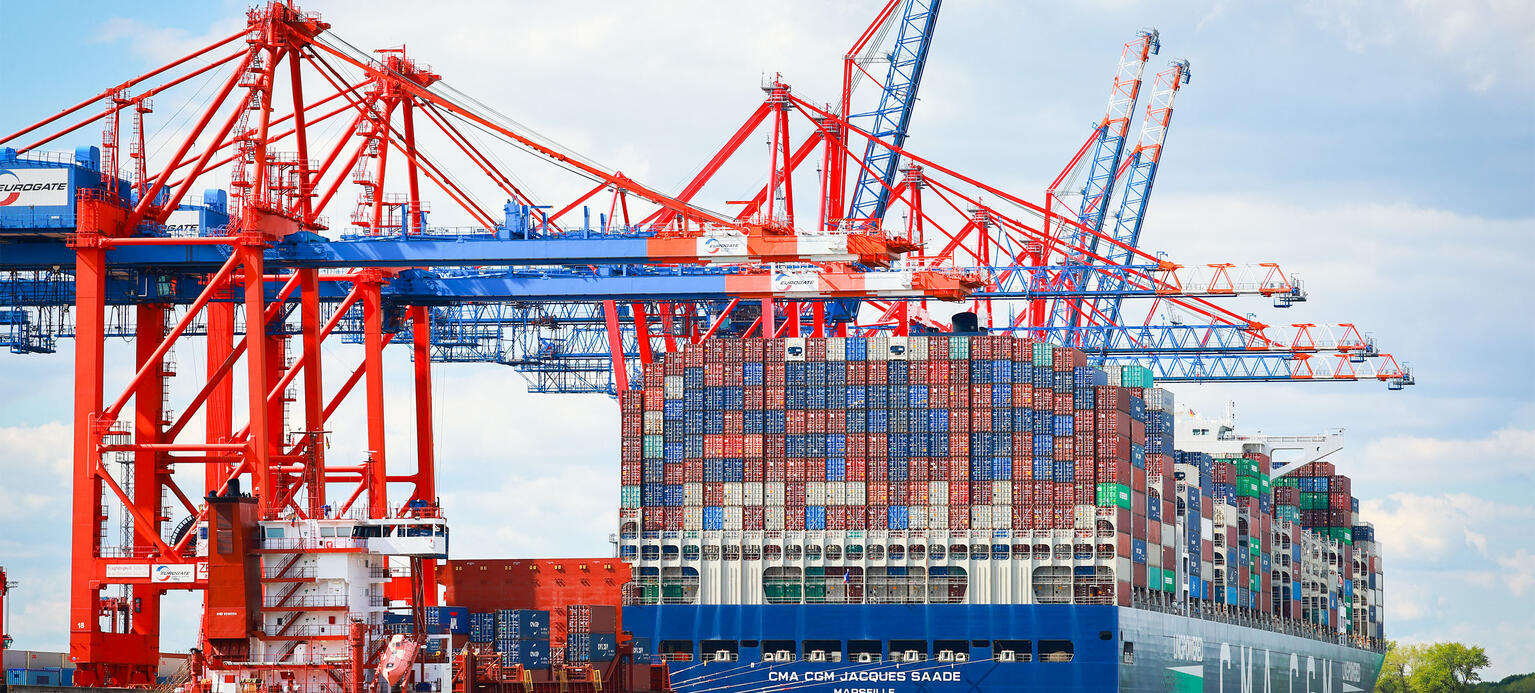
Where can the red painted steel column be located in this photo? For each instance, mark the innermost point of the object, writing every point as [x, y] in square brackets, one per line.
[616, 349]
[373, 367]
[314, 391]
[218, 413]
[426, 461]
[426, 467]
[258, 443]
[642, 332]
[85, 646]
[818, 319]
[148, 424]
[769, 328]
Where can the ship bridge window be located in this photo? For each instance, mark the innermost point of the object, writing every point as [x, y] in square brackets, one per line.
[772, 552]
[630, 530]
[980, 552]
[951, 650]
[946, 585]
[676, 650]
[1093, 585]
[1129, 653]
[779, 650]
[876, 552]
[670, 552]
[733, 552]
[751, 553]
[711, 552]
[897, 585]
[628, 552]
[1082, 552]
[999, 551]
[791, 552]
[650, 552]
[916, 552]
[908, 650]
[719, 650]
[855, 552]
[812, 552]
[833, 553]
[782, 585]
[823, 650]
[935, 552]
[1052, 584]
[1020, 552]
[896, 552]
[690, 552]
[1062, 552]
[834, 585]
[646, 588]
[1012, 650]
[865, 650]
[1055, 650]
[679, 586]
[958, 551]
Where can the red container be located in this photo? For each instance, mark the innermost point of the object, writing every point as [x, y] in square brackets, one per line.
[959, 518]
[1154, 533]
[878, 517]
[752, 517]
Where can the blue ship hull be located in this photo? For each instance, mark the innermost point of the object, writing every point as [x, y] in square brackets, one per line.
[1111, 649]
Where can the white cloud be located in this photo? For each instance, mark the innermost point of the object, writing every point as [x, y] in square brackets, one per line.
[1474, 38]
[1431, 530]
[1521, 571]
[1504, 455]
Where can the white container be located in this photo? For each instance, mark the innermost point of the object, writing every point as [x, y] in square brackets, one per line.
[693, 494]
[916, 348]
[733, 493]
[916, 516]
[938, 492]
[857, 493]
[733, 518]
[693, 518]
[751, 492]
[672, 387]
[836, 493]
[772, 518]
[980, 517]
[815, 493]
[836, 349]
[937, 517]
[1001, 516]
[1002, 494]
[773, 494]
[652, 423]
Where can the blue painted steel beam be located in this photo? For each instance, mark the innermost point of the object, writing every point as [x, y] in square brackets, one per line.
[892, 118]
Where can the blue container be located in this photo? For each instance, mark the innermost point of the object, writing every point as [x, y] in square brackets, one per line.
[604, 647]
[900, 517]
[714, 518]
[1138, 550]
[815, 517]
[15, 677]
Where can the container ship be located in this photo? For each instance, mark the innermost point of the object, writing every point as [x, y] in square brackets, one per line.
[977, 513]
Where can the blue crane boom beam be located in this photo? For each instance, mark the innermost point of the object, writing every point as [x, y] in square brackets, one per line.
[891, 119]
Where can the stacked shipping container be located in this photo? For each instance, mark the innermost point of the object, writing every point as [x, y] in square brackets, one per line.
[734, 451]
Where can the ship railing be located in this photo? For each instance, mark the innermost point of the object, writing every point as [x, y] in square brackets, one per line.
[304, 601]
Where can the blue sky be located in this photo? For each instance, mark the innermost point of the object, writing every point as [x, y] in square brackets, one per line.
[1384, 153]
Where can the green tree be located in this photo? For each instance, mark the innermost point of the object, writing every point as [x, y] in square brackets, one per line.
[1446, 667]
[1397, 667]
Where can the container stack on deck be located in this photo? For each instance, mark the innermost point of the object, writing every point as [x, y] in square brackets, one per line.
[762, 441]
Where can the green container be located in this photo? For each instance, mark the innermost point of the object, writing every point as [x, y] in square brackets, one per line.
[1247, 486]
[1313, 501]
[1113, 495]
[1343, 534]
[1135, 376]
[1263, 485]
[650, 592]
[1287, 481]
[1287, 512]
[1043, 356]
[1247, 467]
[1252, 583]
[1169, 581]
[629, 496]
[959, 348]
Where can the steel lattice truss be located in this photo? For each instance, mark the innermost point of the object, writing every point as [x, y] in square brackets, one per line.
[330, 154]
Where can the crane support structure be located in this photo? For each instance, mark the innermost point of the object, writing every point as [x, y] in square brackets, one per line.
[263, 277]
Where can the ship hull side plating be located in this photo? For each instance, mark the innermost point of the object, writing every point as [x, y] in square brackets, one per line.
[1167, 652]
